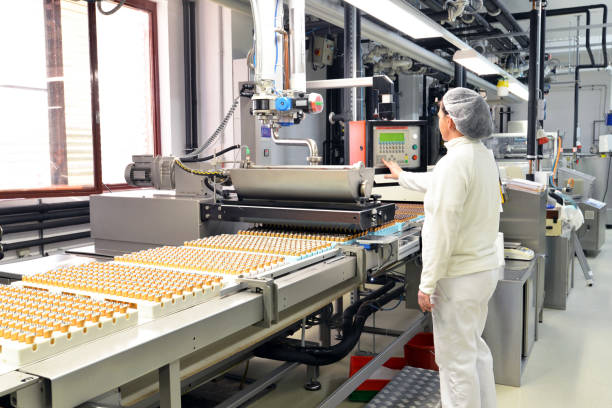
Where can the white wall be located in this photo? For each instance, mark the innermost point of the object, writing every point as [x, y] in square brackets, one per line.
[214, 76]
[171, 75]
[593, 105]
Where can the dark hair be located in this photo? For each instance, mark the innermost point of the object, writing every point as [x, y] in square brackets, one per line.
[441, 106]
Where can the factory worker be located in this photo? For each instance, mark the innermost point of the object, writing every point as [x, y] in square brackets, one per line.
[460, 265]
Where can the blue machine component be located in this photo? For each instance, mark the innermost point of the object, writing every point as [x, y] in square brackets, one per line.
[282, 104]
[609, 120]
[266, 132]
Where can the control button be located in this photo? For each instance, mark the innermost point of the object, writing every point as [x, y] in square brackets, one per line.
[414, 157]
[414, 147]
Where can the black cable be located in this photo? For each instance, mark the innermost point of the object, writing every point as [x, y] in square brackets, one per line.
[113, 10]
[607, 180]
[212, 156]
[218, 131]
[221, 192]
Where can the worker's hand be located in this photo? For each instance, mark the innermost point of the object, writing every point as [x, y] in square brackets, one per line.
[394, 168]
[425, 302]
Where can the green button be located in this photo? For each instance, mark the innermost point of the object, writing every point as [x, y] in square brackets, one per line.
[406, 161]
[414, 147]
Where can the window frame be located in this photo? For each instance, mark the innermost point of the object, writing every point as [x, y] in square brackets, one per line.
[98, 186]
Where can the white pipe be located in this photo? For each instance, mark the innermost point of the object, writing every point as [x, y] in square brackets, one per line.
[297, 32]
[267, 17]
[609, 69]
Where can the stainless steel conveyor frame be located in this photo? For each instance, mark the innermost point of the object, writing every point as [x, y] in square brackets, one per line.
[214, 331]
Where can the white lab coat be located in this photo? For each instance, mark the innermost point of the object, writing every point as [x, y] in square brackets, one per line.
[460, 266]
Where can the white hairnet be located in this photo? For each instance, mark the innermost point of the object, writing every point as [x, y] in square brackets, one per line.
[469, 111]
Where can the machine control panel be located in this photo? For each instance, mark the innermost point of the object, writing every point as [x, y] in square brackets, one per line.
[402, 144]
[402, 141]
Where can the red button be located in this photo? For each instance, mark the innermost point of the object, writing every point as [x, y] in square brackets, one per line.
[414, 157]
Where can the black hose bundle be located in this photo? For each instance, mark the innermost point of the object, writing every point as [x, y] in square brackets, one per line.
[212, 156]
[354, 318]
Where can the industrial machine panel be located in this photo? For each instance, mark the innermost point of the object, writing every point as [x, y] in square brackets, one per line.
[400, 141]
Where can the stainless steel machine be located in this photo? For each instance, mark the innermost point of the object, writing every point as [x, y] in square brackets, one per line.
[592, 234]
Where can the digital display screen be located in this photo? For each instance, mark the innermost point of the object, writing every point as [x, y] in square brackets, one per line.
[391, 137]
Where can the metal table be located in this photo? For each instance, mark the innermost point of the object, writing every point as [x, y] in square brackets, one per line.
[510, 331]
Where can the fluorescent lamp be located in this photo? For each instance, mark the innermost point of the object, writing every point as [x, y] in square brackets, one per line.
[400, 16]
[518, 89]
[475, 62]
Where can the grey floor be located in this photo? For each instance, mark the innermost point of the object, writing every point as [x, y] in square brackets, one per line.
[570, 366]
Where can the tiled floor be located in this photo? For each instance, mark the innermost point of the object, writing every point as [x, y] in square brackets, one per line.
[570, 366]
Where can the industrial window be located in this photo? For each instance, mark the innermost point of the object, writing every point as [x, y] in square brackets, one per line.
[64, 65]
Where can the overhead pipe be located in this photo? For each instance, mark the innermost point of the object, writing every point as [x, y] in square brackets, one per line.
[532, 107]
[334, 14]
[499, 10]
[579, 10]
[459, 76]
[267, 18]
[542, 66]
[297, 50]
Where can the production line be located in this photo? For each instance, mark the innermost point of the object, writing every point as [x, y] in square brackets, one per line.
[296, 228]
[268, 275]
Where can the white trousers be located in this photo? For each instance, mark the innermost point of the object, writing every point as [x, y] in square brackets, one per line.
[465, 362]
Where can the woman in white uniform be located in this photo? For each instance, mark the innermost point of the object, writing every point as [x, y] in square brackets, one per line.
[460, 265]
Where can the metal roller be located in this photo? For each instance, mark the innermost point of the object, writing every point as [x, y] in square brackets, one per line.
[304, 183]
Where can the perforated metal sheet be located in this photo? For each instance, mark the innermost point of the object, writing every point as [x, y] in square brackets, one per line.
[410, 388]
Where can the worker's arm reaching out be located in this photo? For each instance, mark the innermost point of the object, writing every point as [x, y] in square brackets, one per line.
[412, 181]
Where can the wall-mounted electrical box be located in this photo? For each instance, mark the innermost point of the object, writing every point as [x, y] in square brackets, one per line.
[323, 51]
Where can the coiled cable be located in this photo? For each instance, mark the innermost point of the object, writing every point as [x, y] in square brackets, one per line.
[217, 132]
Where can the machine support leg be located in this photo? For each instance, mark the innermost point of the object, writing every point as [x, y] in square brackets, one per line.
[339, 309]
[170, 386]
[312, 374]
[586, 269]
